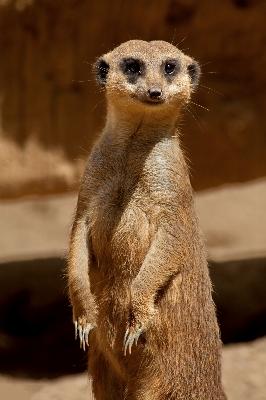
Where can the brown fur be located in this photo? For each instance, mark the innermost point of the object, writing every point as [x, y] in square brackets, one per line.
[137, 259]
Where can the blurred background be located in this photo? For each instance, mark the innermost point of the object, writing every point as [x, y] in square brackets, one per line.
[51, 112]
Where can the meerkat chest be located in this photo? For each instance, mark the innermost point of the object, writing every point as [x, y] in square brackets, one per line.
[131, 195]
[120, 227]
[119, 219]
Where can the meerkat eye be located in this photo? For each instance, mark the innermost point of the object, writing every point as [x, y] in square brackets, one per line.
[133, 67]
[169, 68]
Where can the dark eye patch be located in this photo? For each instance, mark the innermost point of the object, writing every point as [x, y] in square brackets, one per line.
[133, 68]
[171, 68]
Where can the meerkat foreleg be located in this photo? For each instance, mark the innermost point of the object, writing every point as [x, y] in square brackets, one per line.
[82, 300]
[158, 268]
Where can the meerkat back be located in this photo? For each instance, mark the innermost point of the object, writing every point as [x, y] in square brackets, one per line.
[137, 271]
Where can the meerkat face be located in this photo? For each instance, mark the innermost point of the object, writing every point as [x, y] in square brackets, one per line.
[152, 75]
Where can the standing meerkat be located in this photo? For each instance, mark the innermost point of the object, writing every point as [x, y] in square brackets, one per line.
[137, 269]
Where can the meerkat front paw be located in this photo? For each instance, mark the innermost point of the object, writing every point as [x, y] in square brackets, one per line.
[139, 322]
[82, 329]
[132, 335]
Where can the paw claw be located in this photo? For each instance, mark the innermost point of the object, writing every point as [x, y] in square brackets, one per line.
[80, 336]
[76, 330]
[132, 336]
[137, 335]
[130, 342]
[83, 341]
[125, 337]
[86, 335]
[83, 333]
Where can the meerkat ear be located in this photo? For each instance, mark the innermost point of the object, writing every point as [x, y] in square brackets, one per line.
[194, 73]
[101, 69]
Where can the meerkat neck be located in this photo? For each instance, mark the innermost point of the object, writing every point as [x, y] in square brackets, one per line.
[126, 123]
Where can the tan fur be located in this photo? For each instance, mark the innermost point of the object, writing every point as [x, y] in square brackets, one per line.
[136, 259]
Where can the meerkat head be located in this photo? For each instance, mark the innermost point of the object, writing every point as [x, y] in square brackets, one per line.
[151, 75]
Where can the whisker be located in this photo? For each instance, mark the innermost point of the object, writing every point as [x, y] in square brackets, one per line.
[199, 105]
[209, 62]
[88, 80]
[198, 116]
[204, 90]
[181, 41]
[195, 119]
[89, 140]
[173, 37]
[97, 104]
[85, 151]
[212, 90]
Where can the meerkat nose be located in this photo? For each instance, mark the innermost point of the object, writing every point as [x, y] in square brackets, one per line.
[155, 93]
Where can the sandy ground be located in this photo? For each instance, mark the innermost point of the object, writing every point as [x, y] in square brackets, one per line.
[244, 370]
[233, 219]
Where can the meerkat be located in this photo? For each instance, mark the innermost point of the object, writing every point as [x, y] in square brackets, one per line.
[137, 271]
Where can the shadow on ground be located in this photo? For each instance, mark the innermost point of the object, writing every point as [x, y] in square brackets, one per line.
[37, 335]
